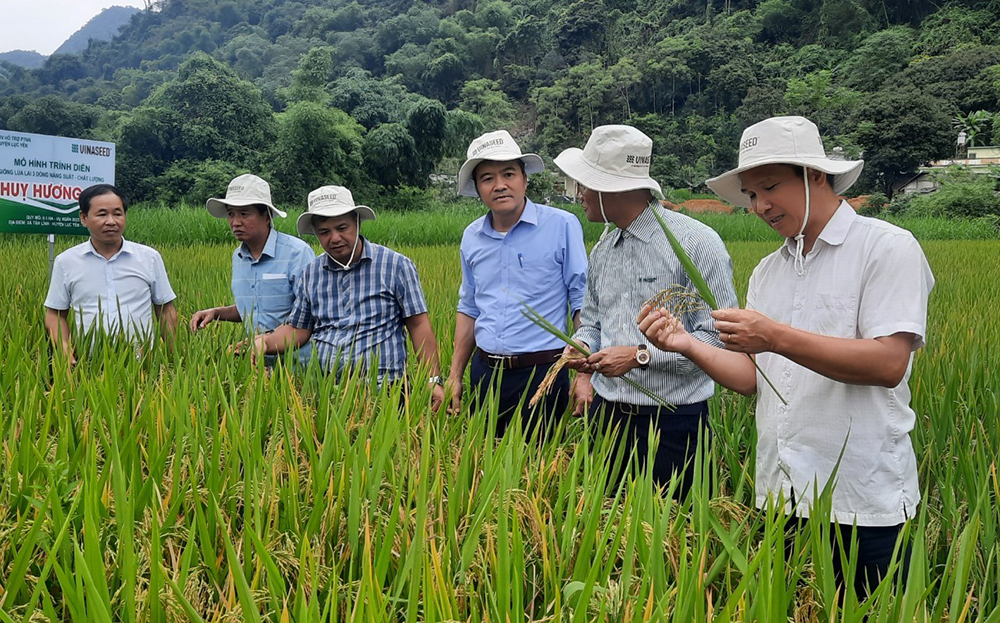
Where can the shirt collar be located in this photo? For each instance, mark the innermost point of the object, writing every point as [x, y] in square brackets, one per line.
[834, 232]
[126, 248]
[644, 227]
[269, 247]
[366, 254]
[528, 215]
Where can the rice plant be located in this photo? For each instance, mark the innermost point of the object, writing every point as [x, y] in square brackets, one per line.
[189, 485]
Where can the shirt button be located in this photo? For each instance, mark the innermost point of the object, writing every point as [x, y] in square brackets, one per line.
[798, 306]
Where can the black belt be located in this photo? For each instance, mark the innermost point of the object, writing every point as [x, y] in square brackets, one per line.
[624, 408]
[524, 360]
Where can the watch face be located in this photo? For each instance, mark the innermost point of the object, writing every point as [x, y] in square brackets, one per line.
[642, 356]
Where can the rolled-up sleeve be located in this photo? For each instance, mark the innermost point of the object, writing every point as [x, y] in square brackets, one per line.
[407, 289]
[301, 316]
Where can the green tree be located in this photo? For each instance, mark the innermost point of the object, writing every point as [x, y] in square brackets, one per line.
[55, 116]
[900, 130]
[316, 145]
[427, 124]
[484, 98]
[224, 117]
[878, 58]
[461, 127]
[389, 155]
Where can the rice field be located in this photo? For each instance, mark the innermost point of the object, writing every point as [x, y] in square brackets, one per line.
[187, 485]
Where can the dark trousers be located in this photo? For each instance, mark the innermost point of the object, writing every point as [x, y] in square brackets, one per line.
[678, 431]
[515, 383]
[875, 545]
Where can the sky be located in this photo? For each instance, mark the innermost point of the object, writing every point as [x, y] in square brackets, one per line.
[43, 25]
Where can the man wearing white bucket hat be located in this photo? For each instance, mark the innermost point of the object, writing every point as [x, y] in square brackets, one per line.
[265, 264]
[833, 318]
[355, 300]
[518, 253]
[628, 266]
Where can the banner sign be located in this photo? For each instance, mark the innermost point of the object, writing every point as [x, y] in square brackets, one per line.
[41, 178]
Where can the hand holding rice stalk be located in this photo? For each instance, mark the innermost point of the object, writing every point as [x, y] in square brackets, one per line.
[543, 322]
[702, 286]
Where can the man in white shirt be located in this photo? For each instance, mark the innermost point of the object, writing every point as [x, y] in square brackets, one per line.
[833, 318]
[107, 279]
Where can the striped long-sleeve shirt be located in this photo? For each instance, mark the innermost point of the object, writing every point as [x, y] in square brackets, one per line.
[626, 269]
[356, 315]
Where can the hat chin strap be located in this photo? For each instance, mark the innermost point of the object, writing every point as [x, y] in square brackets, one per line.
[353, 249]
[607, 224]
[800, 238]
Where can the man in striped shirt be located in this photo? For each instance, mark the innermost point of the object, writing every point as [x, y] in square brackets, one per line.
[628, 266]
[355, 300]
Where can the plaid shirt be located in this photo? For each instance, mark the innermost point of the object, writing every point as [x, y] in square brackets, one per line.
[356, 315]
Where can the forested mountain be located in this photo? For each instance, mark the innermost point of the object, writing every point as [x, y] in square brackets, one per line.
[102, 27]
[374, 93]
[28, 59]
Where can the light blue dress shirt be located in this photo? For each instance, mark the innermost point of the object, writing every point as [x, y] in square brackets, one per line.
[264, 288]
[541, 262]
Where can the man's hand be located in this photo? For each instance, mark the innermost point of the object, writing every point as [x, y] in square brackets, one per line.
[258, 349]
[203, 318]
[576, 360]
[663, 330]
[453, 391]
[581, 394]
[614, 360]
[437, 397]
[746, 331]
[255, 346]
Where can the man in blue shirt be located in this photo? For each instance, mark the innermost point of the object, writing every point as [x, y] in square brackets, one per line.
[519, 253]
[265, 265]
[355, 300]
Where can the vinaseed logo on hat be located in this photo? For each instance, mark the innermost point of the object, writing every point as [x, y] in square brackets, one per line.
[616, 158]
[244, 190]
[783, 140]
[496, 146]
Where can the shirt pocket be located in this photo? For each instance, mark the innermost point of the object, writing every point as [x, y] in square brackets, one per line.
[538, 272]
[275, 293]
[835, 315]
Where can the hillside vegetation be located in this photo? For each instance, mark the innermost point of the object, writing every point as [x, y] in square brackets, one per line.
[378, 94]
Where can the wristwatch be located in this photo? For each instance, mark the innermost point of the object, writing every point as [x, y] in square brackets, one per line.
[435, 380]
[642, 356]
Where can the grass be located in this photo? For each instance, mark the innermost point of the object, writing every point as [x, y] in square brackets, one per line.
[187, 485]
[186, 225]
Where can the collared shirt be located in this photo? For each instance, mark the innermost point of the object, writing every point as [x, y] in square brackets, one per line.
[120, 291]
[264, 287]
[541, 262]
[628, 268]
[356, 315]
[864, 279]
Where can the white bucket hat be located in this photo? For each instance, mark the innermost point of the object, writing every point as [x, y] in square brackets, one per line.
[783, 140]
[244, 190]
[615, 159]
[330, 201]
[496, 146]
